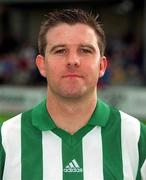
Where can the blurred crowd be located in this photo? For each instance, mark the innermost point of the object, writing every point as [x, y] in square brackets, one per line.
[125, 67]
[126, 58]
[17, 63]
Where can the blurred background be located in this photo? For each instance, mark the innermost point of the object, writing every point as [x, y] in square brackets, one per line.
[124, 83]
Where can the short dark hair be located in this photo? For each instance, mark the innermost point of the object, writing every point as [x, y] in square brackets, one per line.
[70, 16]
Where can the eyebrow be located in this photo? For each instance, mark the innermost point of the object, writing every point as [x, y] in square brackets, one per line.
[80, 45]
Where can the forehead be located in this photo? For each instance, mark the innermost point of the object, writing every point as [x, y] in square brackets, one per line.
[76, 33]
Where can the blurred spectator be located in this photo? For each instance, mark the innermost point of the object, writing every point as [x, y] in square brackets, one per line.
[126, 60]
[134, 75]
[8, 64]
[133, 50]
[26, 64]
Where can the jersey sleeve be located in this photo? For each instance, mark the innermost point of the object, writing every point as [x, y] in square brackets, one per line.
[142, 152]
[2, 156]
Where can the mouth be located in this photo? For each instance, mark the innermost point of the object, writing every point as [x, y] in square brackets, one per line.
[72, 76]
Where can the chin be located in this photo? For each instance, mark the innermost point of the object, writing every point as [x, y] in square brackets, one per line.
[74, 94]
[73, 97]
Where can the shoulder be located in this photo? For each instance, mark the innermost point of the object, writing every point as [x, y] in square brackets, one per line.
[133, 129]
[123, 119]
[13, 122]
[130, 126]
[132, 122]
[129, 122]
[10, 125]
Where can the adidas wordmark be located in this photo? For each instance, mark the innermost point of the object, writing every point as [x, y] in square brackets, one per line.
[73, 167]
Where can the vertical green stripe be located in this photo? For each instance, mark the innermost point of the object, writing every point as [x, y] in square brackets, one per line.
[142, 149]
[112, 152]
[68, 154]
[32, 165]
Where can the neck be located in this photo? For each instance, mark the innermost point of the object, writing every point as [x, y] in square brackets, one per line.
[71, 114]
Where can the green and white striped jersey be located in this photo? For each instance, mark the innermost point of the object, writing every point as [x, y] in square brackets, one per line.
[112, 146]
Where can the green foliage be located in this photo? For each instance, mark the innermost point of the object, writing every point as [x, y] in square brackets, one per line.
[4, 117]
[144, 122]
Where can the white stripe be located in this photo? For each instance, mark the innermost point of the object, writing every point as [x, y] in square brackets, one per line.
[11, 141]
[52, 156]
[130, 133]
[92, 155]
[75, 163]
[143, 171]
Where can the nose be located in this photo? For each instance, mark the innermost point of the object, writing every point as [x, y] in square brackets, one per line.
[73, 60]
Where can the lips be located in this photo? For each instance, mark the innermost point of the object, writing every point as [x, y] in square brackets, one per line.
[72, 76]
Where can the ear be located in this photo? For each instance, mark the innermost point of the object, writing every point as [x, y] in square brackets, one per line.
[40, 62]
[103, 66]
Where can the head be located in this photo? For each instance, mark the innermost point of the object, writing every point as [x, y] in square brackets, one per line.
[71, 48]
[71, 17]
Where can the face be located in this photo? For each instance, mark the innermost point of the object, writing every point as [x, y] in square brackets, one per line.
[72, 64]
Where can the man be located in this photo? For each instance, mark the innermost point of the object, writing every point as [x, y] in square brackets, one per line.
[72, 134]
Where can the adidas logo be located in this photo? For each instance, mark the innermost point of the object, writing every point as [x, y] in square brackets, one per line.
[73, 167]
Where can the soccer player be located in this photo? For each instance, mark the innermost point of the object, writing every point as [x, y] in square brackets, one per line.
[72, 134]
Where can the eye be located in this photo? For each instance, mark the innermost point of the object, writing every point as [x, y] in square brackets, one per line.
[86, 51]
[60, 51]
